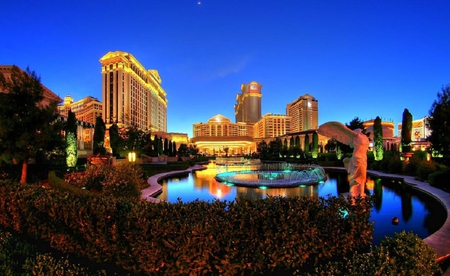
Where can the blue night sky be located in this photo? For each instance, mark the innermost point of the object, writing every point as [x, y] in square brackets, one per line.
[357, 58]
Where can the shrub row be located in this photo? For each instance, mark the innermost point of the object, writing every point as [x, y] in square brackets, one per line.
[227, 238]
[417, 166]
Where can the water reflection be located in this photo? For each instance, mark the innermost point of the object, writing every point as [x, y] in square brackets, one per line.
[417, 212]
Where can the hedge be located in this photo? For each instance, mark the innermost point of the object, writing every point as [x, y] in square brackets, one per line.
[244, 236]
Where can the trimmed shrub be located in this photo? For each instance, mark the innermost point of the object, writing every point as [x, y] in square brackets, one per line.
[439, 179]
[121, 180]
[404, 254]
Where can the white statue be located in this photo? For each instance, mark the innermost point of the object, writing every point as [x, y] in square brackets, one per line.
[356, 166]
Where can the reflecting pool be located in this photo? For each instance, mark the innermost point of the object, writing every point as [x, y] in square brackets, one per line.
[416, 212]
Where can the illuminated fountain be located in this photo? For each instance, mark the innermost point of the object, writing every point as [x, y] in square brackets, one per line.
[280, 175]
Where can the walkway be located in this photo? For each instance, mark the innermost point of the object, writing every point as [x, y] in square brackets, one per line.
[439, 241]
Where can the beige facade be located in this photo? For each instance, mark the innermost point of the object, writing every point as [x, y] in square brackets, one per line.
[304, 112]
[178, 138]
[390, 142]
[131, 94]
[272, 125]
[219, 136]
[86, 110]
[248, 104]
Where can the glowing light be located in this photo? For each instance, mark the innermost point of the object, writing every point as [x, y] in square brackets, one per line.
[262, 187]
[131, 156]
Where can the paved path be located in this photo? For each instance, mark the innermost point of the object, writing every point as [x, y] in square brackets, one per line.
[439, 241]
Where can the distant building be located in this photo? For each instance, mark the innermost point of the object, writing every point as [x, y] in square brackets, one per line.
[86, 110]
[248, 104]
[304, 112]
[48, 94]
[272, 125]
[390, 142]
[219, 136]
[178, 138]
[131, 94]
[85, 136]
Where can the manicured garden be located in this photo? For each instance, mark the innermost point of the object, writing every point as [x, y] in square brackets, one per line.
[94, 223]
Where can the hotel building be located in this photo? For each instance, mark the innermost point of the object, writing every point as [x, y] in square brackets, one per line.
[419, 133]
[248, 104]
[131, 94]
[304, 112]
[271, 126]
[219, 136]
[86, 110]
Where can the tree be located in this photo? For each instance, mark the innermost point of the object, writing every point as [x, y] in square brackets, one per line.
[263, 149]
[306, 143]
[134, 140]
[166, 147]
[285, 150]
[355, 124]
[28, 126]
[378, 139]
[155, 146]
[275, 147]
[115, 140]
[315, 146]
[174, 149]
[438, 122]
[71, 140]
[406, 131]
[99, 136]
[183, 150]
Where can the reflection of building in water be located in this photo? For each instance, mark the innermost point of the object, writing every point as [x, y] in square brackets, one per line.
[218, 189]
[258, 193]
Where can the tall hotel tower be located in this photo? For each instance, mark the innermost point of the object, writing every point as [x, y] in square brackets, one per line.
[304, 112]
[131, 94]
[248, 106]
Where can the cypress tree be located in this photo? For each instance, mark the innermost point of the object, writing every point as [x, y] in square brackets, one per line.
[315, 149]
[406, 131]
[99, 136]
[378, 139]
[71, 140]
[306, 143]
[114, 139]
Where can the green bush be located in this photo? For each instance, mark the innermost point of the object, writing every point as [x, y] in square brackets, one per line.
[425, 168]
[404, 254]
[390, 163]
[439, 179]
[19, 257]
[241, 237]
[121, 180]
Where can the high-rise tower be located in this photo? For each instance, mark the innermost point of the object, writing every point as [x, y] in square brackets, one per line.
[248, 104]
[304, 112]
[131, 94]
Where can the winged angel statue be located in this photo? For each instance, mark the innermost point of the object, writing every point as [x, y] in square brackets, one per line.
[356, 166]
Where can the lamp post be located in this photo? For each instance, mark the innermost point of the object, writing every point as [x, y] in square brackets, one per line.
[131, 156]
